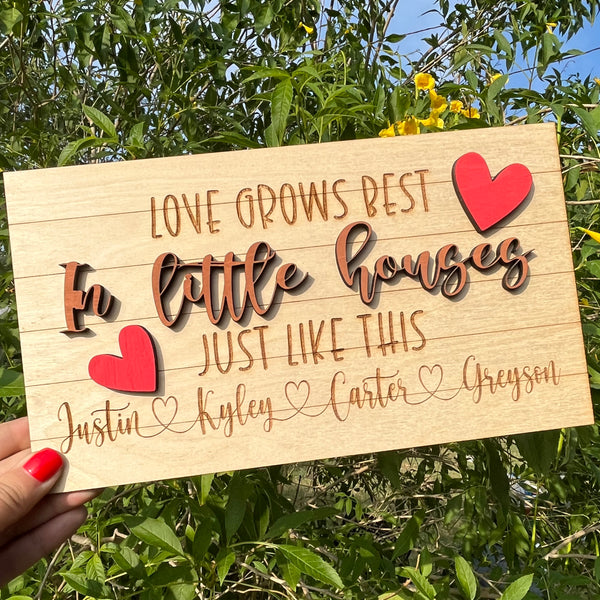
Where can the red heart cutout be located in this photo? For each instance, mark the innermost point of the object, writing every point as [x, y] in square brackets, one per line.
[135, 371]
[486, 199]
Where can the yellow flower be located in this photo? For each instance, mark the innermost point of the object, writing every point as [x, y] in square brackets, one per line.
[433, 120]
[456, 106]
[389, 132]
[409, 127]
[597, 80]
[424, 81]
[470, 113]
[306, 28]
[551, 26]
[593, 234]
[496, 76]
[438, 103]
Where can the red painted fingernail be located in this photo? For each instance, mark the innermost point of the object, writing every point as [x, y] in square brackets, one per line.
[43, 465]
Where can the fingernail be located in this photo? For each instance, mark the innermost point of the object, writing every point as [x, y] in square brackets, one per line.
[43, 465]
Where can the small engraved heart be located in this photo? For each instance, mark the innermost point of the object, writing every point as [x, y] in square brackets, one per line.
[297, 394]
[431, 378]
[135, 370]
[165, 411]
[488, 200]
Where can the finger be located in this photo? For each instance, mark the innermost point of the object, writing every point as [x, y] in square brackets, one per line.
[24, 486]
[50, 506]
[25, 551]
[14, 436]
[6, 464]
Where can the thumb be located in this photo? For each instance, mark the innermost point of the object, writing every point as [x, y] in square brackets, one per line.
[24, 486]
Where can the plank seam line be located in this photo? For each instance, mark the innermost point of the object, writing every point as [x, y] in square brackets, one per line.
[312, 247]
[450, 337]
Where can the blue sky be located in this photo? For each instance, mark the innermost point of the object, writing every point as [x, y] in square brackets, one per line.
[413, 15]
[587, 39]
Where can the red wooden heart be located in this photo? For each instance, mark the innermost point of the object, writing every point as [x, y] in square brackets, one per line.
[488, 200]
[135, 371]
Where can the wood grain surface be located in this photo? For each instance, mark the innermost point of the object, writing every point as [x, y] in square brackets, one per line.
[438, 349]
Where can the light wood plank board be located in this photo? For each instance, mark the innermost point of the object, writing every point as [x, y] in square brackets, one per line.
[319, 364]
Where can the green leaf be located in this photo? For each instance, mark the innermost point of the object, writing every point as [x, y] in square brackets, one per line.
[224, 560]
[587, 120]
[202, 540]
[518, 589]
[156, 532]
[266, 73]
[89, 587]
[394, 38]
[539, 449]
[136, 135]
[72, 148]
[389, 464]
[100, 120]
[496, 86]
[593, 266]
[69, 152]
[271, 138]
[94, 569]
[549, 41]
[236, 505]
[309, 563]
[8, 19]
[183, 591]
[471, 78]
[420, 582]
[595, 115]
[206, 482]
[281, 102]
[77, 581]
[290, 572]
[399, 102]
[497, 473]
[11, 382]
[126, 558]
[466, 579]
[233, 138]
[294, 520]
[408, 538]
[229, 19]
[166, 574]
[263, 17]
[425, 563]
[503, 44]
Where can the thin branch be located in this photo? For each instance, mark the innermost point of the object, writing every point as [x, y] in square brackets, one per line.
[582, 202]
[332, 484]
[268, 576]
[571, 538]
[580, 556]
[385, 28]
[571, 168]
[49, 571]
[580, 157]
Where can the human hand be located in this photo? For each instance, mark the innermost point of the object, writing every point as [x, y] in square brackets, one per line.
[32, 523]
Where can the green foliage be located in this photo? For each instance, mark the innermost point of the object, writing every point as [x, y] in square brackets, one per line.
[93, 81]
[466, 579]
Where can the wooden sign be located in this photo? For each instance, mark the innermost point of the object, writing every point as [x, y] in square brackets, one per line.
[205, 313]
